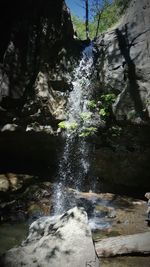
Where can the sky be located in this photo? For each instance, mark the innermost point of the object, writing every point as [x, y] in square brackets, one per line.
[77, 7]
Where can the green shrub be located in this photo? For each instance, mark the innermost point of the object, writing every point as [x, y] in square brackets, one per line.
[104, 112]
[85, 116]
[65, 125]
[91, 104]
[107, 101]
[115, 130]
[62, 125]
[88, 131]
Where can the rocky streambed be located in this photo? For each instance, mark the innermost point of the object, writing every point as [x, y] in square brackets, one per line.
[109, 214]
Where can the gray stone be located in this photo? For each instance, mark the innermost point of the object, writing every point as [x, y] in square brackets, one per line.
[4, 183]
[31, 53]
[9, 127]
[62, 242]
[123, 56]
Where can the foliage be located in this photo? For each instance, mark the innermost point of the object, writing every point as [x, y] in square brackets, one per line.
[85, 116]
[115, 131]
[89, 131]
[91, 104]
[107, 101]
[62, 125]
[104, 112]
[65, 125]
[109, 13]
[79, 26]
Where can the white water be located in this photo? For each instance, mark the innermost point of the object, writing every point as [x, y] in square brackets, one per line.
[74, 164]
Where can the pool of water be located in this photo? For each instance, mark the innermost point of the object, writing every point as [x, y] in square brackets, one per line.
[11, 235]
[125, 262]
[129, 218]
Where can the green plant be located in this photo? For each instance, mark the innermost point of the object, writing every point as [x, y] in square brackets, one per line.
[62, 125]
[65, 125]
[115, 130]
[107, 100]
[109, 13]
[88, 131]
[104, 112]
[85, 116]
[91, 104]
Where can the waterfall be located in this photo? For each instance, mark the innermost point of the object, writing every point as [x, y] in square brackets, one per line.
[74, 164]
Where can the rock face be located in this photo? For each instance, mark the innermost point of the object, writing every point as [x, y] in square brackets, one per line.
[123, 63]
[34, 63]
[122, 57]
[122, 161]
[65, 241]
[34, 37]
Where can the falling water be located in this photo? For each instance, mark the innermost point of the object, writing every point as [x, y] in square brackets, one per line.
[74, 164]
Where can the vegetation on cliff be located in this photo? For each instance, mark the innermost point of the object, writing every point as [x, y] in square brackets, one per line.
[103, 15]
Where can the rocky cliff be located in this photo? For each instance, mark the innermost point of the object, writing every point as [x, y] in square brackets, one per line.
[36, 38]
[123, 63]
[122, 57]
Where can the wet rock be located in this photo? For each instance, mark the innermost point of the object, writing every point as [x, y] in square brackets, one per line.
[12, 182]
[64, 241]
[4, 183]
[53, 101]
[112, 213]
[36, 127]
[25, 199]
[101, 211]
[9, 127]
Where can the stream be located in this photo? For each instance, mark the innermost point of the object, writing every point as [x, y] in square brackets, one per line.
[129, 218]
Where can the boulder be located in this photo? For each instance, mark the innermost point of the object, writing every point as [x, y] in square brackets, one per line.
[65, 241]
